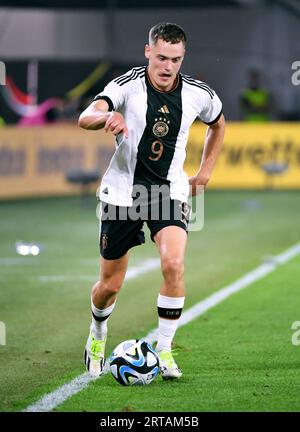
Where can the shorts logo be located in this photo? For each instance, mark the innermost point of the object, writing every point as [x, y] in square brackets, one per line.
[104, 240]
[185, 213]
[161, 127]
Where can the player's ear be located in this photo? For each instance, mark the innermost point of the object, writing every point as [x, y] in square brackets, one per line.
[147, 51]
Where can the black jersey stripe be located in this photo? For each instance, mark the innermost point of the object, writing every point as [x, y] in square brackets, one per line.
[134, 71]
[131, 79]
[198, 83]
[140, 68]
[116, 80]
[126, 77]
[208, 90]
[133, 76]
[188, 77]
[203, 88]
[138, 71]
[192, 80]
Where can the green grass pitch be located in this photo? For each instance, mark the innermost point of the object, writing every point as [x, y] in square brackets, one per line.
[238, 356]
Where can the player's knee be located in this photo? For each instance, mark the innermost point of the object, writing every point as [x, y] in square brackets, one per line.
[108, 287]
[173, 267]
[111, 286]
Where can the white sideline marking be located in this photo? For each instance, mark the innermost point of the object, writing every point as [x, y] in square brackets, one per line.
[55, 398]
[132, 272]
[15, 261]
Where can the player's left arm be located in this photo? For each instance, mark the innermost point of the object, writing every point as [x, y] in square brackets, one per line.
[212, 146]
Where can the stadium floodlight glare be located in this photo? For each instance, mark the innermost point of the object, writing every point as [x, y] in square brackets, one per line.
[34, 250]
[25, 249]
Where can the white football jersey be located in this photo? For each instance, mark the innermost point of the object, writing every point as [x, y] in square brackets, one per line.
[158, 124]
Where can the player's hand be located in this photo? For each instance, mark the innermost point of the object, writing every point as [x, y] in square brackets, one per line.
[116, 124]
[198, 183]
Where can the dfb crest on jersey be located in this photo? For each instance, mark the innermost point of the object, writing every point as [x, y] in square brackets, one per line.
[161, 127]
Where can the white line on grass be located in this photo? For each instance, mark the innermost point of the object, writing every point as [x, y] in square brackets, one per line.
[132, 272]
[15, 261]
[55, 398]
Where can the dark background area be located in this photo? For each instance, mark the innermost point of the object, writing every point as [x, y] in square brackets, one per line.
[226, 39]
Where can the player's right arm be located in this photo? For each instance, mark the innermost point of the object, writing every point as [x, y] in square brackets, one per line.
[97, 116]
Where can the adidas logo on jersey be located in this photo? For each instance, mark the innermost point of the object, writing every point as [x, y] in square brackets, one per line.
[164, 109]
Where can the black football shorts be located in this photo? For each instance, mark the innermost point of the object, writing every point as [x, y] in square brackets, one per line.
[121, 228]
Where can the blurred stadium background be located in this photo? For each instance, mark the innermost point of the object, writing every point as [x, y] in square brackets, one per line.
[57, 57]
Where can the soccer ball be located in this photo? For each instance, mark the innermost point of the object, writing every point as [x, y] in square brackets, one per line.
[134, 362]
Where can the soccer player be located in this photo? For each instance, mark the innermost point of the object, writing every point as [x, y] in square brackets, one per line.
[150, 110]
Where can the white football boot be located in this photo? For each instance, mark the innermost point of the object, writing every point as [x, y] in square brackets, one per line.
[167, 366]
[94, 356]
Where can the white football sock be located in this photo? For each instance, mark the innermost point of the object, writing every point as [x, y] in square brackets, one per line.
[99, 321]
[168, 306]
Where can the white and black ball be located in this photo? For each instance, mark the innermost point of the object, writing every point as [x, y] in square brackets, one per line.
[134, 362]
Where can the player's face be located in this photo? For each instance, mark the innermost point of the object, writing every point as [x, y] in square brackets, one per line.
[165, 60]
